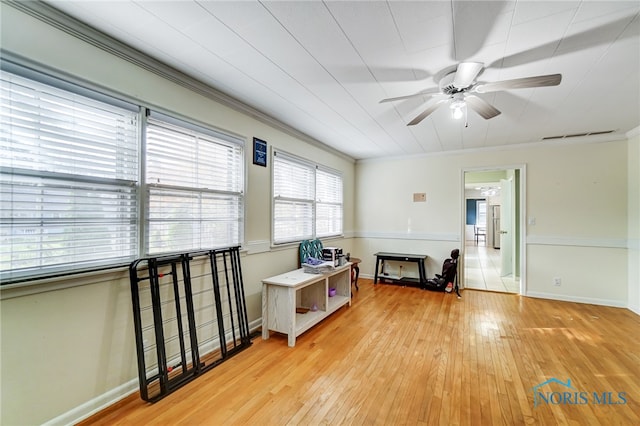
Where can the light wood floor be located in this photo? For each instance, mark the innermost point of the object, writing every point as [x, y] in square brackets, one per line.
[482, 270]
[401, 355]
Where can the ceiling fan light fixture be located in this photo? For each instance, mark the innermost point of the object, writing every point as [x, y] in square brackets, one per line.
[458, 107]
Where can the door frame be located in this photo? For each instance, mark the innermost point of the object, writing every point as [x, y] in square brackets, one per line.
[521, 219]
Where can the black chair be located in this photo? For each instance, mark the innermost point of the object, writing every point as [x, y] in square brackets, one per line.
[480, 232]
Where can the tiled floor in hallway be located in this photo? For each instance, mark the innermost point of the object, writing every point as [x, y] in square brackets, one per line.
[482, 270]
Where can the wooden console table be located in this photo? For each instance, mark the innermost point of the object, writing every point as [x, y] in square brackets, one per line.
[293, 291]
[381, 257]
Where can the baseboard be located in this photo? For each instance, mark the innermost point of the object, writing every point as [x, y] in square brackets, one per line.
[95, 405]
[564, 298]
[577, 299]
[107, 399]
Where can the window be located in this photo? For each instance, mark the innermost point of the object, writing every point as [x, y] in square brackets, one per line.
[194, 184]
[481, 213]
[307, 200]
[328, 203]
[77, 195]
[69, 167]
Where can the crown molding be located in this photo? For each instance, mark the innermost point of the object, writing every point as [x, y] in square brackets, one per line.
[633, 132]
[613, 137]
[78, 29]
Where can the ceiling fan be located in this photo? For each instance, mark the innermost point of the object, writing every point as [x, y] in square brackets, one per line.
[458, 88]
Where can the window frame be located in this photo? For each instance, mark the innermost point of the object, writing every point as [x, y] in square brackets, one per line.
[485, 205]
[51, 116]
[146, 188]
[313, 200]
[332, 174]
[74, 86]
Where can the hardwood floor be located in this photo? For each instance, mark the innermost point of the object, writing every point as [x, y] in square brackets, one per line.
[401, 355]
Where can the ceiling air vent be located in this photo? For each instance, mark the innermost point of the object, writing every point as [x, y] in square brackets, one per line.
[604, 132]
[576, 135]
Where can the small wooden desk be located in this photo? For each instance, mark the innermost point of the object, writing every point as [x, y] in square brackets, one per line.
[282, 294]
[381, 257]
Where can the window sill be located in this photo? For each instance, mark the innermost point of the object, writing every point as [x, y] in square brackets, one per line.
[43, 285]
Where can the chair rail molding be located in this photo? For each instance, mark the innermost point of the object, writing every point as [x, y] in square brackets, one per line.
[551, 240]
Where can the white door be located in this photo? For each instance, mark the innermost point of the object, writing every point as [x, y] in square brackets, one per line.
[507, 189]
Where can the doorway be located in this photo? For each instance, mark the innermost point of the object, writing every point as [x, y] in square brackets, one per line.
[492, 224]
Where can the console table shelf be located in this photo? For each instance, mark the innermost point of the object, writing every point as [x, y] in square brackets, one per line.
[398, 279]
[284, 293]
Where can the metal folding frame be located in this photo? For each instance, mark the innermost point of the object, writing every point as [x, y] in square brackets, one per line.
[172, 343]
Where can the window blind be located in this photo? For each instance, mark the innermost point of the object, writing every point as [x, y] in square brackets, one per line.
[328, 203]
[194, 186]
[307, 200]
[68, 170]
[293, 198]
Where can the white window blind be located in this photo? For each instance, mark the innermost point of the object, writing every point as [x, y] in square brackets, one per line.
[328, 203]
[307, 200]
[194, 185]
[69, 167]
[293, 197]
[481, 216]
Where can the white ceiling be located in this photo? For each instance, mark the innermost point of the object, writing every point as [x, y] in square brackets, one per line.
[323, 67]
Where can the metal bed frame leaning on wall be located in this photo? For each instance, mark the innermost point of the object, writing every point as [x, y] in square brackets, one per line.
[189, 314]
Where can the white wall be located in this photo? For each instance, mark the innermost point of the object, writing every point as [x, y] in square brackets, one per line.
[634, 221]
[576, 192]
[67, 351]
[388, 220]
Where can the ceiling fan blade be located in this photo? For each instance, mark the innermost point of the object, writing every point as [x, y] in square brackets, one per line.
[427, 92]
[474, 17]
[577, 42]
[426, 113]
[520, 83]
[466, 73]
[482, 107]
